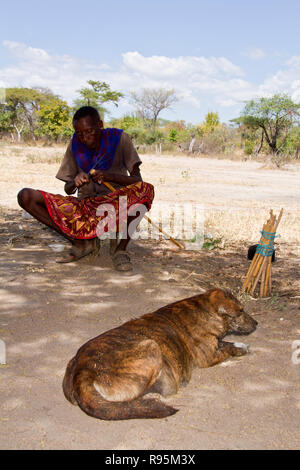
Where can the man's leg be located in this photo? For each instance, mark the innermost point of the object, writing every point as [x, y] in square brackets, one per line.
[126, 235]
[121, 258]
[33, 202]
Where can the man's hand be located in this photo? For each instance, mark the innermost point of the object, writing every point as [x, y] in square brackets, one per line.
[98, 176]
[81, 179]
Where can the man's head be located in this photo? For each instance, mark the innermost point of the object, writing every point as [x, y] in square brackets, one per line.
[88, 124]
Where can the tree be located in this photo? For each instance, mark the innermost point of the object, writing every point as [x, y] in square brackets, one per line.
[150, 102]
[20, 109]
[133, 126]
[274, 116]
[129, 124]
[292, 143]
[178, 131]
[55, 119]
[6, 121]
[173, 135]
[211, 122]
[98, 94]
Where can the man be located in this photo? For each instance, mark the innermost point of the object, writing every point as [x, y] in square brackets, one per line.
[94, 156]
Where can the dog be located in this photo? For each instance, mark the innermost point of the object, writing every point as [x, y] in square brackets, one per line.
[155, 353]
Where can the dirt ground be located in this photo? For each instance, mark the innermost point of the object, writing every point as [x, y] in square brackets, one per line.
[48, 311]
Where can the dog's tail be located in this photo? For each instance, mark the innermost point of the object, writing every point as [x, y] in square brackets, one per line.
[92, 403]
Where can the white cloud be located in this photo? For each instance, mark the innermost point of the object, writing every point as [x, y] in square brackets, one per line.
[197, 80]
[286, 80]
[27, 52]
[37, 68]
[255, 53]
[294, 62]
[161, 66]
[190, 76]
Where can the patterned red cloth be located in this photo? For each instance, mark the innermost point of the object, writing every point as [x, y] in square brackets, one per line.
[82, 219]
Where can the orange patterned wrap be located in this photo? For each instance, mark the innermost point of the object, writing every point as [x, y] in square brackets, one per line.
[80, 219]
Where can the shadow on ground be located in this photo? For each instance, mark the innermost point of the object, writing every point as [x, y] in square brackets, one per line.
[48, 311]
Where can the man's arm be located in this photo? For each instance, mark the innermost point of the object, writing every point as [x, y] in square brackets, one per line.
[100, 176]
[78, 181]
[70, 187]
[68, 170]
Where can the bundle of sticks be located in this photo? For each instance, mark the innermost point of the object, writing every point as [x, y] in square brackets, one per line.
[260, 267]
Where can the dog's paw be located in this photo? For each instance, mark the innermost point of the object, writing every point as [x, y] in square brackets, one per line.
[241, 348]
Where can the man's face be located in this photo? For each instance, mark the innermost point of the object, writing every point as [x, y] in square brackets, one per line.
[88, 131]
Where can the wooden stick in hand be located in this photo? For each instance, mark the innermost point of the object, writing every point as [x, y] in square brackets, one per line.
[109, 186]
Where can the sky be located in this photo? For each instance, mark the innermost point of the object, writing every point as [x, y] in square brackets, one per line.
[215, 54]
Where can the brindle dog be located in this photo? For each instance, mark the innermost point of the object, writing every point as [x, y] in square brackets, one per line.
[154, 353]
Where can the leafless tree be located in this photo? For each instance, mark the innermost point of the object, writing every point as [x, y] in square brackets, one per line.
[151, 101]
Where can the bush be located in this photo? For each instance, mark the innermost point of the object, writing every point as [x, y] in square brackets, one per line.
[249, 147]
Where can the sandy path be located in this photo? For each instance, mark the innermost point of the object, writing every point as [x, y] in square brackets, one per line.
[48, 311]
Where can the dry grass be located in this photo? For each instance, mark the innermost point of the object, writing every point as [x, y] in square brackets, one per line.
[233, 193]
[33, 154]
[245, 225]
[49, 159]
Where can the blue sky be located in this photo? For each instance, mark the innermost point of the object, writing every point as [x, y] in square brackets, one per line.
[215, 54]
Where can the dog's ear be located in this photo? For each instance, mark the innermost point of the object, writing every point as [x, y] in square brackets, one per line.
[222, 310]
[229, 310]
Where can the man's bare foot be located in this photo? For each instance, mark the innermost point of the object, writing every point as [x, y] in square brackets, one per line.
[80, 248]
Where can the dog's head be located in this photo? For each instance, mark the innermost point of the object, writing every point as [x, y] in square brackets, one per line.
[229, 308]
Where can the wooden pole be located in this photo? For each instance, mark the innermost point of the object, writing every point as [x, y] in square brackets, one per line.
[260, 268]
[267, 282]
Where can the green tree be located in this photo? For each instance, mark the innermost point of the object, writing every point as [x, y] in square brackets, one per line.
[134, 127]
[275, 116]
[173, 135]
[178, 131]
[54, 119]
[154, 136]
[6, 120]
[20, 109]
[96, 95]
[130, 124]
[292, 142]
[211, 121]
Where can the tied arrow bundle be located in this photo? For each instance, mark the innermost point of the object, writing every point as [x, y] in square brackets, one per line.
[260, 268]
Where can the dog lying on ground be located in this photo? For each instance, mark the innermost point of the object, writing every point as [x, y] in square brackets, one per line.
[111, 373]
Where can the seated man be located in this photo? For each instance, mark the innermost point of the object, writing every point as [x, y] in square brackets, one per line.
[109, 155]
